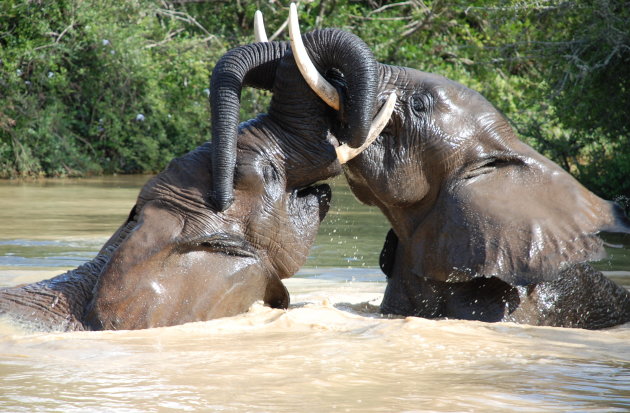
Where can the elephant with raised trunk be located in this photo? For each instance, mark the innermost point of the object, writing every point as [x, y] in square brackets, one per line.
[483, 226]
[221, 226]
[177, 260]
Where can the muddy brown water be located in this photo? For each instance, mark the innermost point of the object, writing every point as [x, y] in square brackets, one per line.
[330, 351]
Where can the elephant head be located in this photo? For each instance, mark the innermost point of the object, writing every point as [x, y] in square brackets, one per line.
[183, 261]
[176, 259]
[466, 196]
[467, 199]
[475, 212]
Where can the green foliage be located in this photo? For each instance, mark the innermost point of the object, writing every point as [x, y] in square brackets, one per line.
[569, 64]
[98, 86]
[93, 86]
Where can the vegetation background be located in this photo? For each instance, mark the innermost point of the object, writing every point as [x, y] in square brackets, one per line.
[109, 86]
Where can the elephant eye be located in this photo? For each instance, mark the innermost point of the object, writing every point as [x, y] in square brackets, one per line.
[273, 181]
[270, 173]
[420, 103]
[219, 243]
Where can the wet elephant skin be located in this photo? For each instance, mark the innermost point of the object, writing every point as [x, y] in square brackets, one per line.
[177, 260]
[198, 245]
[483, 226]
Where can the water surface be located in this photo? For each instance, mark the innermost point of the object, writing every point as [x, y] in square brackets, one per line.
[331, 351]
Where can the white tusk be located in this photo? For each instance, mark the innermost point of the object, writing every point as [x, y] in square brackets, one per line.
[321, 86]
[345, 152]
[259, 27]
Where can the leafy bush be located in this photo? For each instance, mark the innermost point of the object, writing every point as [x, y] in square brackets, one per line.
[98, 86]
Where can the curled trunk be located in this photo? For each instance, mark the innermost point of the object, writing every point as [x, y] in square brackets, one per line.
[337, 54]
[250, 65]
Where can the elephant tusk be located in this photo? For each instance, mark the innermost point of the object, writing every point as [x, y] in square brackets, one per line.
[345, 152]
[315, 80]
[259, 27]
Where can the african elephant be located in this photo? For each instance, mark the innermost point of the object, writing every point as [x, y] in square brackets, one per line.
[483, 226]
[221, 226]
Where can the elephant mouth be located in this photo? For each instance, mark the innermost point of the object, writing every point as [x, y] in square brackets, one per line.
[315, 198]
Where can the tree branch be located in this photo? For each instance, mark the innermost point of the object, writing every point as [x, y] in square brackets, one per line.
[167, 39]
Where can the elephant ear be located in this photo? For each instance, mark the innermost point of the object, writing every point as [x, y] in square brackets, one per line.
[516, 216]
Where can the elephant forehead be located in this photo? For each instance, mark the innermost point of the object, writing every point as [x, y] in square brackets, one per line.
[450, 97]
[186, 181]
[412, 80]
[258, 139]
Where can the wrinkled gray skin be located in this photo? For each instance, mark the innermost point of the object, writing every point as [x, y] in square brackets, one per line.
[198, 245]
[483, 226]
[176, 260]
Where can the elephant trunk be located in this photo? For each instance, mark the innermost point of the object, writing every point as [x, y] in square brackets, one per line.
[337, 54]
[250, 65]
[350, 63]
